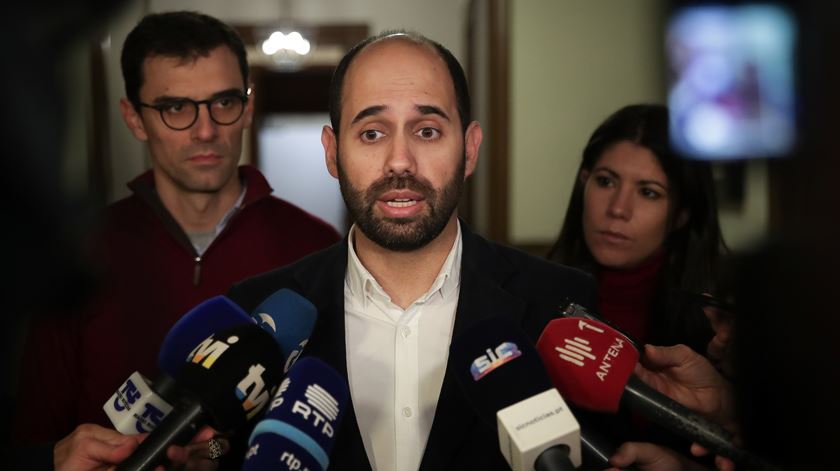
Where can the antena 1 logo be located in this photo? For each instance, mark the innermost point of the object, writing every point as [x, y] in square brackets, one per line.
[577, 350]
[321, 406]
[258, 396]
[209, 350]
[505, 352]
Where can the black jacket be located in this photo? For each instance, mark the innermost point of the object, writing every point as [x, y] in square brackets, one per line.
[495, 280]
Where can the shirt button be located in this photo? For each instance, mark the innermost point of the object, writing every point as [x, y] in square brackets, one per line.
[405, 331]
[406, 412]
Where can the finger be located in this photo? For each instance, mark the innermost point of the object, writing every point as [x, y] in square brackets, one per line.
[206, 433]
[121, 452]
[625, 455]
[724, 464]
[698, 450]
[665, 357]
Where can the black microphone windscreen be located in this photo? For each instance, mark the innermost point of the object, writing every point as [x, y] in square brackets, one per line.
[233, 374]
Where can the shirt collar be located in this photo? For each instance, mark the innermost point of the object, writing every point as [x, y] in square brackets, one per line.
[364, 286]
[236, 206]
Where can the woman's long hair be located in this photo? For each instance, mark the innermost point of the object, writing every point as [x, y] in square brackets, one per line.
[693, 250]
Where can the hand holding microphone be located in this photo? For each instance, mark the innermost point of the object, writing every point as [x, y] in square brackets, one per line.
[139, 406]
[592, 365]
[690, 379]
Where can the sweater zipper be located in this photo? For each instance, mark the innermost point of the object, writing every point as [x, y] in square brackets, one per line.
[197, 271]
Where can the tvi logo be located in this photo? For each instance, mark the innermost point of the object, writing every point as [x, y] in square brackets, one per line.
[209, 350]
[251, 391]
[492, 359]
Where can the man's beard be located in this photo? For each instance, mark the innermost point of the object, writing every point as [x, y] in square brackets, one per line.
[402, 234]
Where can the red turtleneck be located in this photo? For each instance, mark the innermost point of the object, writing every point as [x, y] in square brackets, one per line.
[625, 296]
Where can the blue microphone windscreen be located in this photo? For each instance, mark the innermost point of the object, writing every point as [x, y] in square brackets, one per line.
[272, 452]
[290, 318]
[307, 409]
[213, 315]
[496, 366]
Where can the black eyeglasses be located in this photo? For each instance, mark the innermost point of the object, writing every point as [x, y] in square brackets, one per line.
[182, 113]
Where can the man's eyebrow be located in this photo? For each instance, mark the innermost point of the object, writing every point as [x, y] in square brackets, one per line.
[369, 111]
[431, 109]
[224, 93]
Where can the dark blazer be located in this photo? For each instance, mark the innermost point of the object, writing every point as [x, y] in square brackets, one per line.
[495, 280]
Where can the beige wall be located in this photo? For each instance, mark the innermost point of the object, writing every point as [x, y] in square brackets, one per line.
[573, 62]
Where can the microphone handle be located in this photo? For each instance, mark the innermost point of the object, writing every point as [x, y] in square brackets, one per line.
[555, 458]
[597, 448]
[177, 428]
[677, 418]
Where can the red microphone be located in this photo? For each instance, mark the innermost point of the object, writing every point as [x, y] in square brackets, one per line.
[591, 364]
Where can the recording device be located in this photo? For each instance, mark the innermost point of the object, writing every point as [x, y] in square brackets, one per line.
[225, 382]
[299, 429]
[732, 92]
[504, 379]
[592, 365]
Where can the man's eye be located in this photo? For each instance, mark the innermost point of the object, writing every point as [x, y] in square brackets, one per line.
[428, 133]
[174, 107]
[225, 102]
[371, 135]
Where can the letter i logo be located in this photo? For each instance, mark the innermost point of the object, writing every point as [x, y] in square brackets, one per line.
[575, 351]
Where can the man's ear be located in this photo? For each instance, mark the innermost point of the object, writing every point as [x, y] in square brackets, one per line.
[133, 120]
[248, 114]
[472, 142]
[329, 141]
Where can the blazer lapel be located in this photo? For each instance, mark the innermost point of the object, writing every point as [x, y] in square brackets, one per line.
[323, 284]
[483, 274]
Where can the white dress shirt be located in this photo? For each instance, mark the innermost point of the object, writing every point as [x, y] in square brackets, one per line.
[396, 359]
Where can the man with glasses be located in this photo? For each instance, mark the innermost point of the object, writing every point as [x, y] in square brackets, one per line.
[195, 224]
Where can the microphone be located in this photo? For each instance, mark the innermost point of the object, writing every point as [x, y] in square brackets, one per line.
[592, 365]
[137, 407]
[225, 381]
[298, 430]
[213, 315]
[290, 318]
[504, 379]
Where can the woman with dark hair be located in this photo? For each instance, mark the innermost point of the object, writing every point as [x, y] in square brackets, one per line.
[644, 222]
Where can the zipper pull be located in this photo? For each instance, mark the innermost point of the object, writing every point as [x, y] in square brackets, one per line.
[197, 271]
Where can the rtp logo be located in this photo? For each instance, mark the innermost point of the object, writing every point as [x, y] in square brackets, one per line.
[320, 407]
